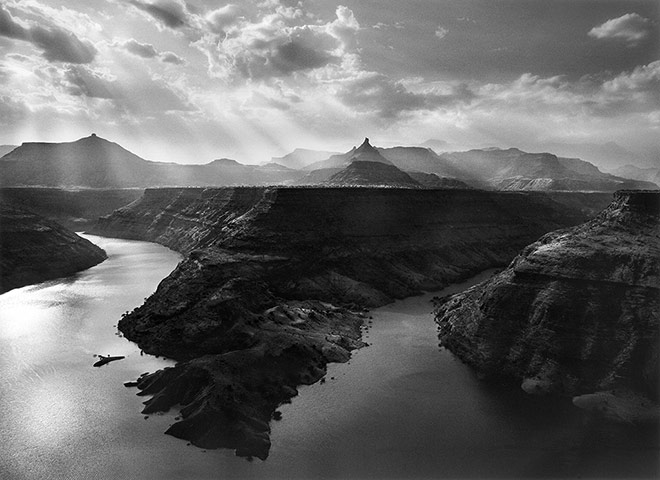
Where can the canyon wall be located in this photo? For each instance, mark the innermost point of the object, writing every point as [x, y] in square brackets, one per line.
[73, 209]
[33, 249]
[576, 313]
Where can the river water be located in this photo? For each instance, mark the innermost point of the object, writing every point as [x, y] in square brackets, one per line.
[401, 408]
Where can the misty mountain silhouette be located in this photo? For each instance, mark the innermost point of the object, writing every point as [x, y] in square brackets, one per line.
[94, 162]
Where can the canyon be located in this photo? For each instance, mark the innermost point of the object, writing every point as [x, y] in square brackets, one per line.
[276, 281]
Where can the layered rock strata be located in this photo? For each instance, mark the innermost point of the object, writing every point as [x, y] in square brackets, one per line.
[576, 313]
[275, 280]
[33, 249]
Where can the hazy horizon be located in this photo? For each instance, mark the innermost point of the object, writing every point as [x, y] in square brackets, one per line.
[193, 81]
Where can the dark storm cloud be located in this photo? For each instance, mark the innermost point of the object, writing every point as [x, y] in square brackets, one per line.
[170, 13]
[381, 95]
[56, 43]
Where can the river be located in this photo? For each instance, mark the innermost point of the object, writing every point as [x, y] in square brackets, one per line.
[401, 408]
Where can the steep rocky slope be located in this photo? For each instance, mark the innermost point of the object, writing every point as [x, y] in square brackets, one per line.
[372, 174]
[275, 279]
[33, 249]
[576, 313]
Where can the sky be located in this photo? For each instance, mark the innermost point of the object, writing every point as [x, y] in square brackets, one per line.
[190, 81]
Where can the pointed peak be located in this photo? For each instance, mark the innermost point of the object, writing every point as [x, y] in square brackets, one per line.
[93, 137]
[366, 146]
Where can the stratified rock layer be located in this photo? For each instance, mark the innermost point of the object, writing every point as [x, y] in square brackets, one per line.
[33, 249]
[275, 279]
[576, 312]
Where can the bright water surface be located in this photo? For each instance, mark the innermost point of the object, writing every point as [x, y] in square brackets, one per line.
[400, 408]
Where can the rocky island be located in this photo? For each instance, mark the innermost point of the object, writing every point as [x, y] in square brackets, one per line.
[276, 281]
[34, 249]
[575, 314]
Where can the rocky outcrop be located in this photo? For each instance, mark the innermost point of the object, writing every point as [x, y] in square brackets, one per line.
[275, 280]
[576, 313]
[33, 249]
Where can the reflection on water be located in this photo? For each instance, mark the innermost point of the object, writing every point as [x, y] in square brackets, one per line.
[61, 417]
[400, 408]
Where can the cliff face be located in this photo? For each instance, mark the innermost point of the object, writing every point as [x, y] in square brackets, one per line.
[576, 312]
[275, 280]
[390, 242]
[33, 249]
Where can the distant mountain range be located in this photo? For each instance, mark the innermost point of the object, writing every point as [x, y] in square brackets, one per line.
[608, 156]
[513, 169]
[637, 173]
[93, 162]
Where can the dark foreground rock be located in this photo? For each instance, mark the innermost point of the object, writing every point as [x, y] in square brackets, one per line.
[75, 209]
[33, 249]
[275, 280]
[577, 313]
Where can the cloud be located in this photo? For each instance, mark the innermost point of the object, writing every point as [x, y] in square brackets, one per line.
[12, 111]
[379, 94]
[146, 50]
[168, 12]
[222, 18]
[171, 57]
[275, 41]
[82, 81]
[629, 92]
[644, 78]
[631, 28]
[441, 32]
[57, 44]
